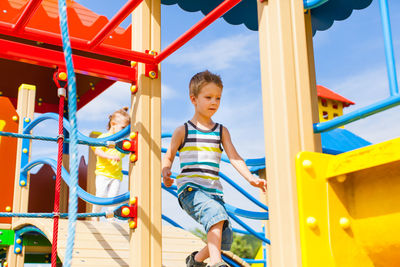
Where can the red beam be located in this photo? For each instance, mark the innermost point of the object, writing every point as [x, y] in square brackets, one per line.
[114, 22]
[76, 43]
[27, 14]
[198, 27]
[52, 59]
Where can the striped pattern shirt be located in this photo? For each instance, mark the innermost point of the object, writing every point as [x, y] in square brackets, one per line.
[200, 156]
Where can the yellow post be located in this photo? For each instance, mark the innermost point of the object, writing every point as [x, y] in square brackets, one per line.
[25, 109]
[145, 177]
[290, 108]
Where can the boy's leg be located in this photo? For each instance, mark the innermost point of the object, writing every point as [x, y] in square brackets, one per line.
[202, 255]
[214, 237]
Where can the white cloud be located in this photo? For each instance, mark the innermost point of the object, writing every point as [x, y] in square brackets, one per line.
[223, 53]
[167, 92]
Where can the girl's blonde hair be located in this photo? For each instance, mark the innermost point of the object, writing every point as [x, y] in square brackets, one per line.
[123, 112]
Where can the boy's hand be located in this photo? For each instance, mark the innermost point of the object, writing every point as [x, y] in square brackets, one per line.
[166, 174]
[260, 183]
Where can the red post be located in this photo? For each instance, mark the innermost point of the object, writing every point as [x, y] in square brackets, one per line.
[26, 15]
[114, 22]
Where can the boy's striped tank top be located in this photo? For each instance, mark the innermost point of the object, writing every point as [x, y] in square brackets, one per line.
[200, 156]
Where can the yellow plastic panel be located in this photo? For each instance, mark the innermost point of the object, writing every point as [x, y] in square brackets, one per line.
[349, 207]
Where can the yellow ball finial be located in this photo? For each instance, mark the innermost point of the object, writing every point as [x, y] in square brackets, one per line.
[8, 208]
[133, 63]
[19, 241]
[312, 222]
[62, 76]
[15, 118]
[125, 211]
[132, 201]
[17, 250]
[27, 120]
[152, 74]
[25, 150]
[341, 178]
[22, 183]
[307, 164]
[134, 89]
[132, 224]
[344, 223]
[132, 135]
[133, 158]
[5, 264]
[127, 145]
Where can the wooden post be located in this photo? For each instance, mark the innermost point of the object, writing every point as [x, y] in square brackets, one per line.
[25, 109]
[144, 177]
[290, 108]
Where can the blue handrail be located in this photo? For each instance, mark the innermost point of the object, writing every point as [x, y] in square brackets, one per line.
[389, 54]
[81, 193]
[53, 116]
[357, 114]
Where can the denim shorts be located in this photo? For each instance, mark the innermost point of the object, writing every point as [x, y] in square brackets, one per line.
[207, 209]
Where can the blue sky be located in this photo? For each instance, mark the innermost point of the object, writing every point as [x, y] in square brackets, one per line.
[349, 59]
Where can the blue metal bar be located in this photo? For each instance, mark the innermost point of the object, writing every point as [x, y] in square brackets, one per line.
[240, 231]
[252, 261]
[170, 221]
[245, 226]
[357, 114]
[241, 190]
[387, 38]
[310, 4]
[246, 213]
[53, 116]
[81, 193]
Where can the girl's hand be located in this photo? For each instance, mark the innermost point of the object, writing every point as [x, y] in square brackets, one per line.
[260, 183]
[166, 174]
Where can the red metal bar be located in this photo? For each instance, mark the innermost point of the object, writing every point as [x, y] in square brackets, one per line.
[51, 58]
[198, 27]
[114, 22]
[76, 43]
[26, 15]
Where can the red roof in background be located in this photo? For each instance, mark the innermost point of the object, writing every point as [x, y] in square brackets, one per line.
[326, 93]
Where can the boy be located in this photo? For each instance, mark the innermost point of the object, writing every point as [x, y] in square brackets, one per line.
[200, 142]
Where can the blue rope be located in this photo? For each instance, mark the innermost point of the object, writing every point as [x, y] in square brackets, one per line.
[49, 215]
[73, 197]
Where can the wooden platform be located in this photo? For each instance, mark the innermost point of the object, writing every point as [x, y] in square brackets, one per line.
[107, 243]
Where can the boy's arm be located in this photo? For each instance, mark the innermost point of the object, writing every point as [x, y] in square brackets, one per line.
[176, 140]
[238, 162]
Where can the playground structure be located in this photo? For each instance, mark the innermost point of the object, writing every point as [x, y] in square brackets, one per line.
[290, 106]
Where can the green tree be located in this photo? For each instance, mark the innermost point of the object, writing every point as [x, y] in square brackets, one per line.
[245, 246]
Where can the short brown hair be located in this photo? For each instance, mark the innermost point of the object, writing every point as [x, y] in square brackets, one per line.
[202, 78]
[123, 112]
